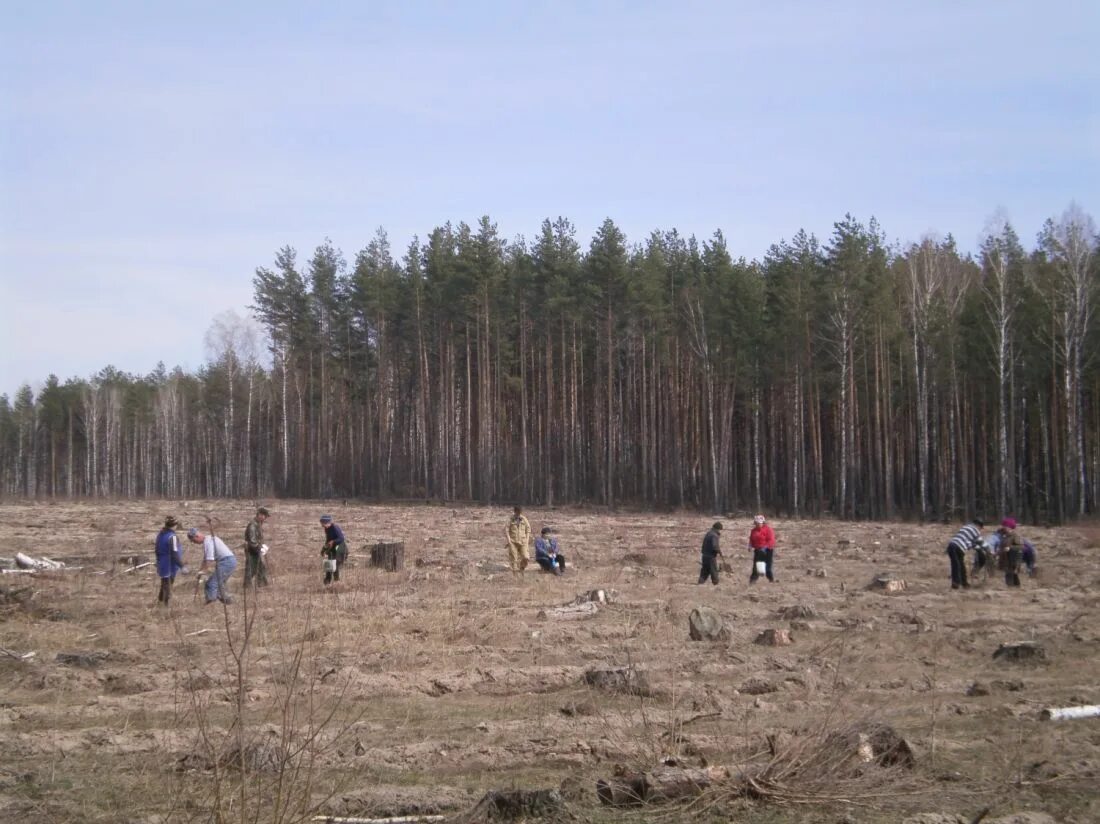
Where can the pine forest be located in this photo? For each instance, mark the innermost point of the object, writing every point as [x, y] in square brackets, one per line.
[847, 377]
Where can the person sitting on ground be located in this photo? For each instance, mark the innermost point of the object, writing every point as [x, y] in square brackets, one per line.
[218, 563]
[1011, 552]
[711, 554]
[547, 555]
[335, 549]
[169, 558]
[762, 544]
[963, 540]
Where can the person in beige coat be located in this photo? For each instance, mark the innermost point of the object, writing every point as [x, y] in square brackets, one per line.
[519, 536]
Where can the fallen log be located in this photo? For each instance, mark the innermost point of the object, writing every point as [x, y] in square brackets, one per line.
[1070, 713]
[658, 785]
[571, 612]
[27, 562]
[139, 566]
[18, 656]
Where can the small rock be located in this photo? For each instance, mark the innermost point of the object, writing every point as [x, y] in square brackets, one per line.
[1008, 686]
[977, 688]
[482, 727]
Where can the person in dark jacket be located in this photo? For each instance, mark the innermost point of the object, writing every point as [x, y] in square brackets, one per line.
[255, 570]
[966, 538]
[335, 550]
[1011, 552]
[762, 544]
[169, 558]
[711, 554]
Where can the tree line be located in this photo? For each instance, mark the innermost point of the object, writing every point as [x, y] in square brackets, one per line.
[848, 376]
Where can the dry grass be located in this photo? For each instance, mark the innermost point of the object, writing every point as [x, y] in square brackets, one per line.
[417, 691]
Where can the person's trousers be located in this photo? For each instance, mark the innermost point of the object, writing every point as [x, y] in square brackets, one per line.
[255, 570]
[216, 584]
[517, 556]
[1028, 557]
[1012, 567]
[555, 564]
[766, 555]
[981, 560]
[165, 594]
[334, 574]
[958, 566]
[709, 569]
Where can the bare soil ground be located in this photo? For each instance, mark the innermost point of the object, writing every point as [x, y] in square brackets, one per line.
[418, 691]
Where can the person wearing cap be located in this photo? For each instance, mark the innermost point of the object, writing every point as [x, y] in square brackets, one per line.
[218, 563]
[711, 553]
[1011, 552]
[335, 548]
[169, 558]
[255, 570]
[546, 552]
[969, 537]
[519, 537]
[762, 544]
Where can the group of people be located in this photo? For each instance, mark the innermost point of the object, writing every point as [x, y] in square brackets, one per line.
[547, 550]
[1010, 551]
[219, 562]
[761, 543]
[1004, 546]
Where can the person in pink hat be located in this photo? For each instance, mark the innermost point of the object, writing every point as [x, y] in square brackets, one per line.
[1010, 552]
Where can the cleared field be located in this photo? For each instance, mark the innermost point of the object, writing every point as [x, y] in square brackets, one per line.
[418, 691]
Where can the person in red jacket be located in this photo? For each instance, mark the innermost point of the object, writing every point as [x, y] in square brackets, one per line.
[762, 544]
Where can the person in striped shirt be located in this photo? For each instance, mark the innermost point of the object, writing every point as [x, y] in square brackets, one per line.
[969, 537]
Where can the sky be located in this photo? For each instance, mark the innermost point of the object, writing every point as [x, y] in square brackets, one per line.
[152, 155]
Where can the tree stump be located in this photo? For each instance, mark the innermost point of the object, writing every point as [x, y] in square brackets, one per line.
[888, 582]
[774, 638]
[389, 556]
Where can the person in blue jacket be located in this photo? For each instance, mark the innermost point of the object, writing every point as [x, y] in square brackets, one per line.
[335, 548]
[169, 558]
[547, 555]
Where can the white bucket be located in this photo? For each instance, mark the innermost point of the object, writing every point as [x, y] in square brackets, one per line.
[761, 567]
[330, 564]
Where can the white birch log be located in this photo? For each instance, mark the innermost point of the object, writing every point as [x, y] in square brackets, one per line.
[27, 562]
[1070, 713]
